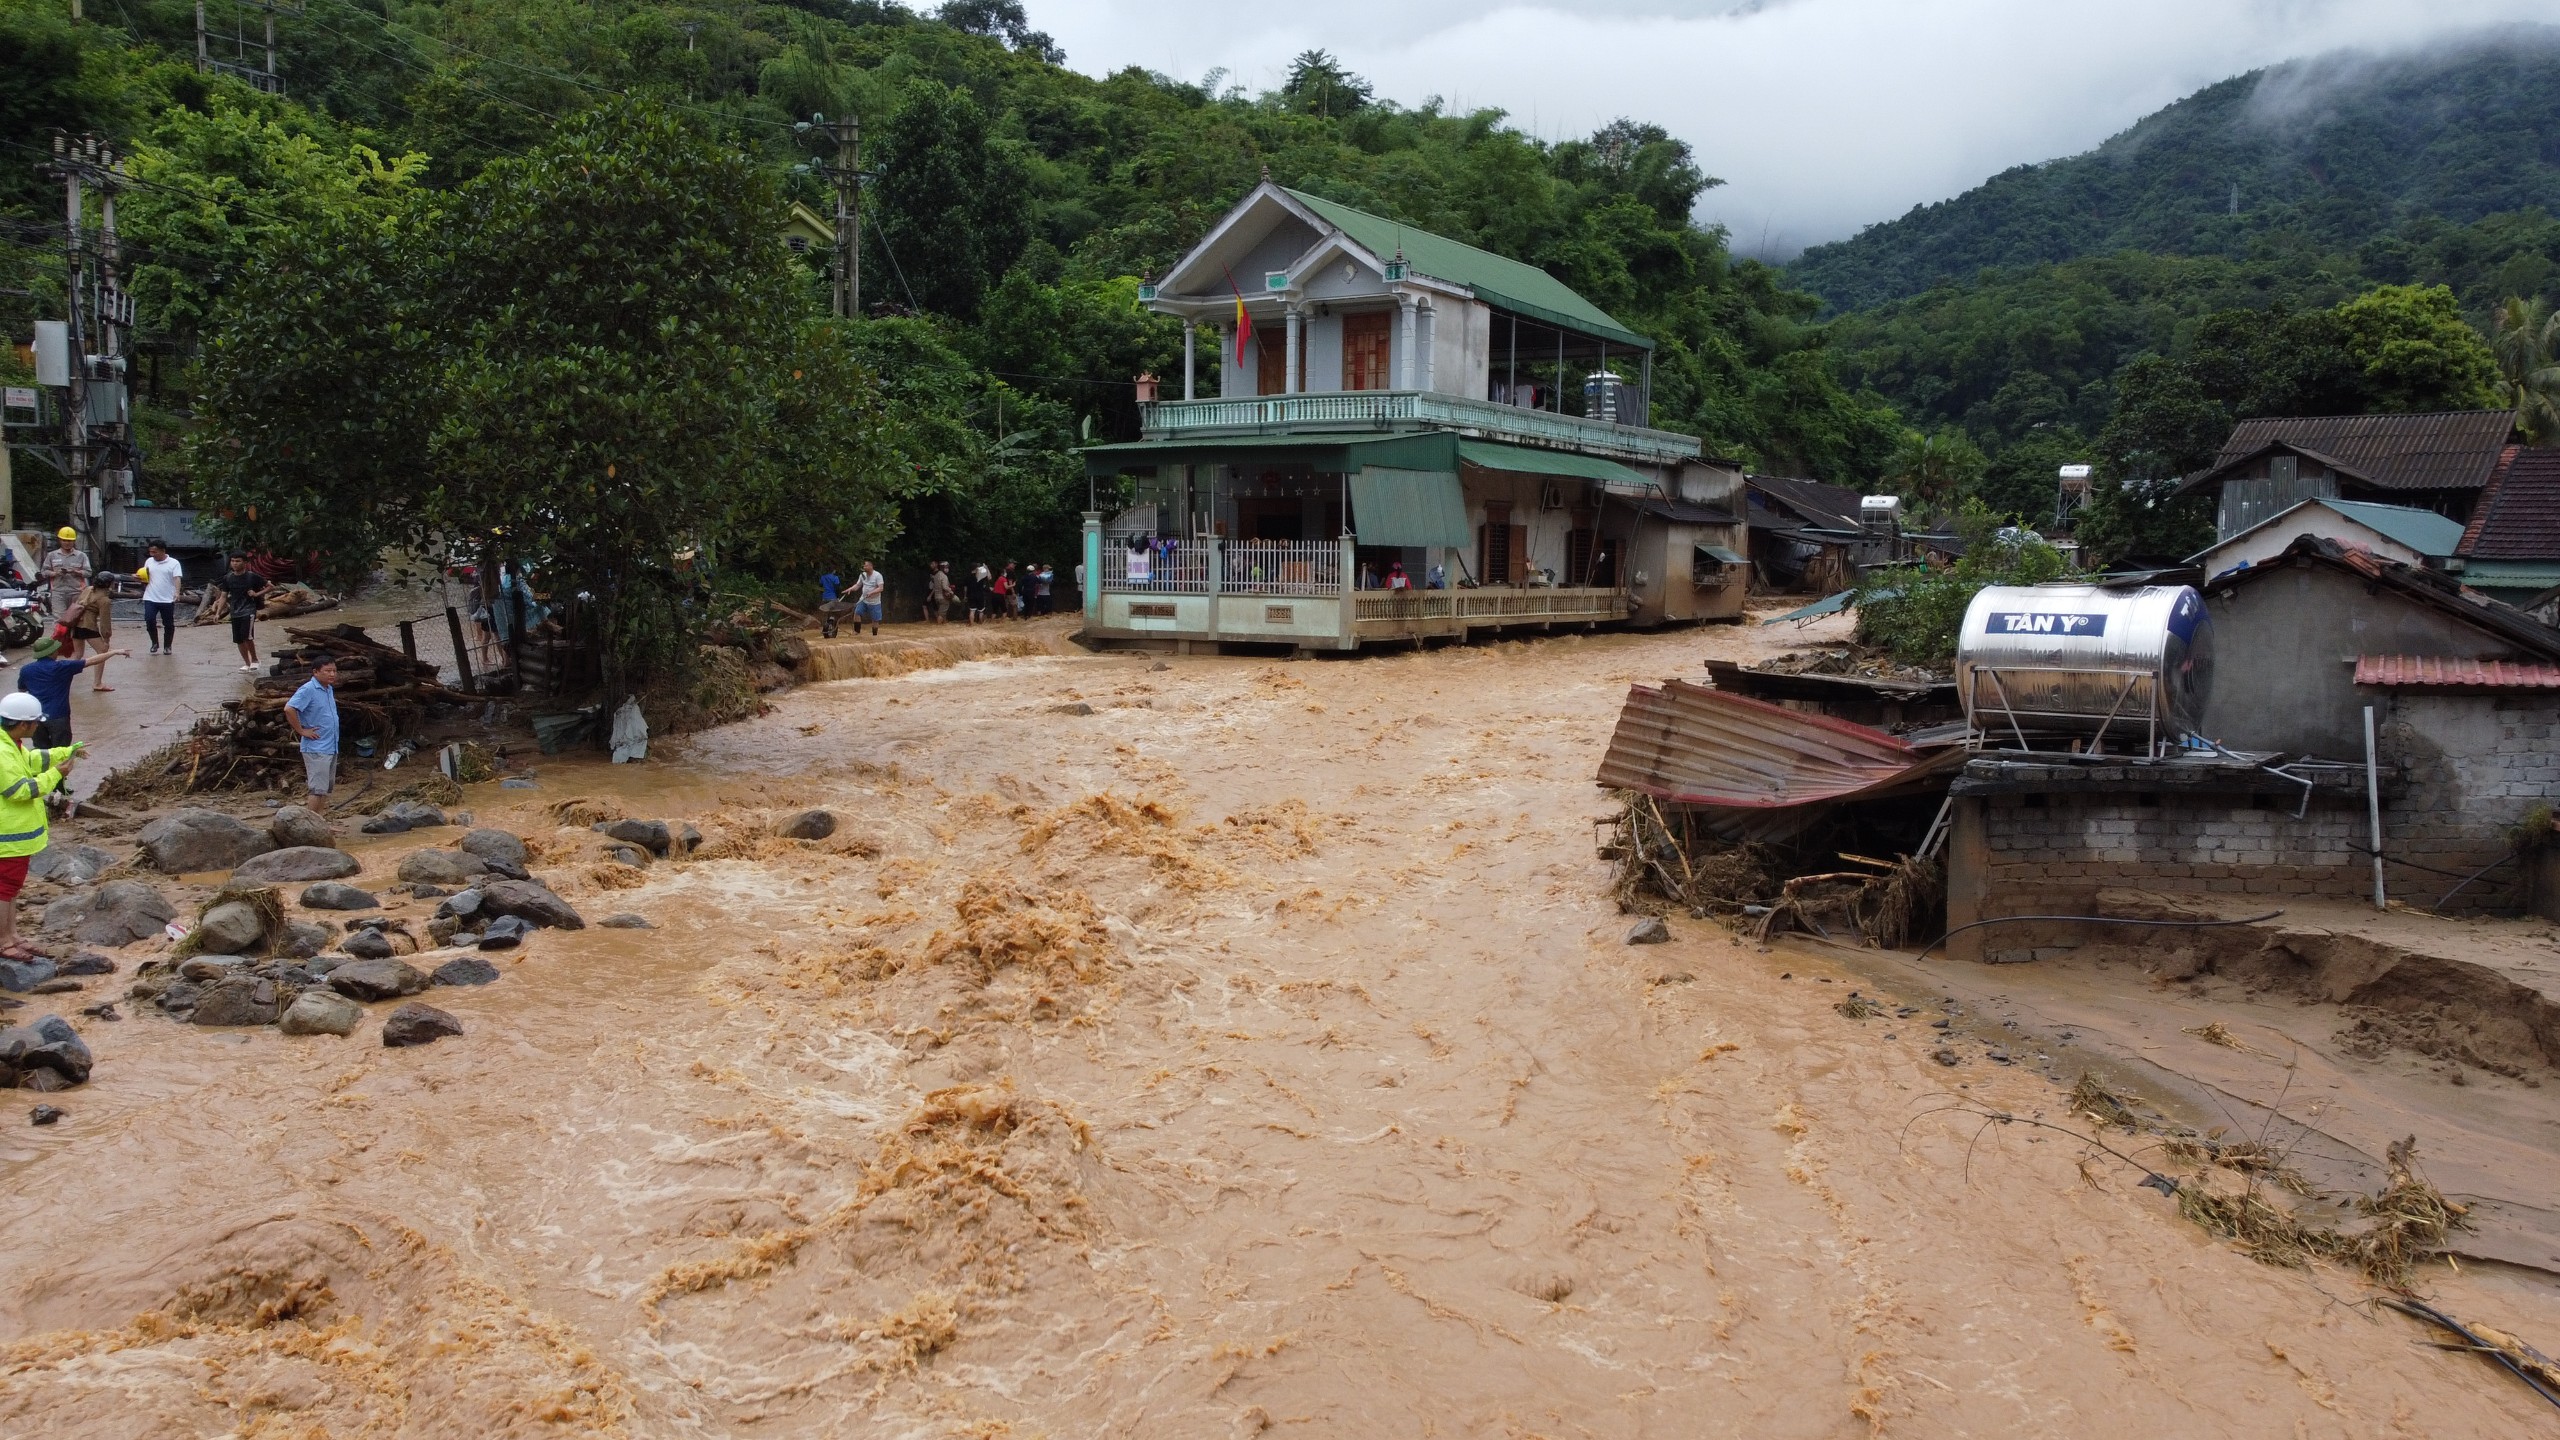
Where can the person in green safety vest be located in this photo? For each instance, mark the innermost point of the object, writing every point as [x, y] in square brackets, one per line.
[26, 777]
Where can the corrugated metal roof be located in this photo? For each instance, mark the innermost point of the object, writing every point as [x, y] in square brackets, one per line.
[2519, 514]
[2445, 450]
[1525, 460]
[2424, 531]
[2408, 671]
[1827, 505]
[1693, 745]
[1497, 280]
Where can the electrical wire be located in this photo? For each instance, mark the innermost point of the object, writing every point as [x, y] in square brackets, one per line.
[2093, 920]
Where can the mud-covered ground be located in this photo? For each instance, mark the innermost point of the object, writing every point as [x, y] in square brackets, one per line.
[1255, 1052]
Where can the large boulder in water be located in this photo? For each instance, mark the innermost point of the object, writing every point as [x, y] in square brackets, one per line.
[330, 895]
[320, 1012]
[531, 901]
[238, 1000]
[441, 867]
[69, 865]
[652, 834]
[379, 979]
[417, 1024]
[295, 826]
[495, 845]
[810, 825]
[191, 841]
[116, 913]
[51, 1045]
[233, 927]
[302, 862]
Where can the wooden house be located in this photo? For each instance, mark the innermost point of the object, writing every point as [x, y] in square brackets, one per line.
[2437, 462]
[1392, 404]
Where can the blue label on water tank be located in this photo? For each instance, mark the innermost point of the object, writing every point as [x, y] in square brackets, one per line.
[2046, 622]
[2182, 620]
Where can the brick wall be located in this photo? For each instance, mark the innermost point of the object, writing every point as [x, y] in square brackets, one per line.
[2072, 845]
[2459, 771]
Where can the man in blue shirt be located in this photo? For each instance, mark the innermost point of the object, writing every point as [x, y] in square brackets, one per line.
[48, 678]
[314, 713]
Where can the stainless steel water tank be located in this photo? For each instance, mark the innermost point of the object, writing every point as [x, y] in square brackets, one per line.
[2076, 660]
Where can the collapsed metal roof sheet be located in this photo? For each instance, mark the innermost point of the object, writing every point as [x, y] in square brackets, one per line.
[2435, 672]
[1693, 745]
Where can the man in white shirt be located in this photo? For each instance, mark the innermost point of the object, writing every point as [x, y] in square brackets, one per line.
[866, 598]
[161, 575]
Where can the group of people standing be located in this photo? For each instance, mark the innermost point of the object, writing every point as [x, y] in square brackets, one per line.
[1014, 592]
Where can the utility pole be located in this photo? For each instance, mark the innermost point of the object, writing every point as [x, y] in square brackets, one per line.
[98, 312]
[846, 172]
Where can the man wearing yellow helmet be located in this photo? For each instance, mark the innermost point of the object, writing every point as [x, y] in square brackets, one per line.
[65, 572]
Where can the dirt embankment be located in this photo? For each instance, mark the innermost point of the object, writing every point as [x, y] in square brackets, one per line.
[1233, 1047]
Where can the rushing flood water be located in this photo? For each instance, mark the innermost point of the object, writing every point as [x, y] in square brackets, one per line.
[1256, 1052]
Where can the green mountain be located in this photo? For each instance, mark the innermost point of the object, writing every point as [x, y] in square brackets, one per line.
[2332, 153]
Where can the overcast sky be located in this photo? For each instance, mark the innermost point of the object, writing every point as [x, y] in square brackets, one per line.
[1821, 116]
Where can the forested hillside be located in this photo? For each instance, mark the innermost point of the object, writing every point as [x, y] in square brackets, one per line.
[2330, 155]
[1012, 204]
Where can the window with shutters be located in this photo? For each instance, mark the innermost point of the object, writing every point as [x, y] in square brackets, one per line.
[1364, 350]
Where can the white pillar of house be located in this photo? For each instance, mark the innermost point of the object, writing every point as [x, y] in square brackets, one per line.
[1190, 374]
[1294, 380]
[1404, 341]
[1430, 342]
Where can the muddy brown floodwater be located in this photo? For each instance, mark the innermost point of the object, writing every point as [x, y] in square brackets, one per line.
[1255, 1052]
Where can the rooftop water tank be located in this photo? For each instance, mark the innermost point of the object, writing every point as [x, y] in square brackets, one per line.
[2131, 664]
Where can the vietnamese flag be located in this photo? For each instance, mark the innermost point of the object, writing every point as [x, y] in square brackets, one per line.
[1244, 322]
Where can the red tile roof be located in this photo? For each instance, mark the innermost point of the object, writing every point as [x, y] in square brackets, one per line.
[2393, 671]
[2518, 517]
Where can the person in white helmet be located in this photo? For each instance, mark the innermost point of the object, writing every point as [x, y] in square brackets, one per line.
[27, 775]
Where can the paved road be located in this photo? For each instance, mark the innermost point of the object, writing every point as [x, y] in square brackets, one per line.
[155, 699]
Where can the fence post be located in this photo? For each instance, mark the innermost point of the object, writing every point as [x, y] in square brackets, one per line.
[409, 639]
[1216, 584]
[461, 652]
[1350, 576]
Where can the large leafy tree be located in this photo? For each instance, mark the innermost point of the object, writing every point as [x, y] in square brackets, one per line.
[592, 357]
[948, 211]
[2416, 352]
[2527, 342]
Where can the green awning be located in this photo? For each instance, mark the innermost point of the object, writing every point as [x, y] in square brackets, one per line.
[1329, 454]
[1520, 459]
[1408, 507]
[1721, 555]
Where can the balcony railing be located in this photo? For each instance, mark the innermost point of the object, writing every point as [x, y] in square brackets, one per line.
[1410, 410]
[1281, 567]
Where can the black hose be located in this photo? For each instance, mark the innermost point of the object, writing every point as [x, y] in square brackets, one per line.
[2092, 920]
[2438, 907]
[2391, 859]
[2434, 1316]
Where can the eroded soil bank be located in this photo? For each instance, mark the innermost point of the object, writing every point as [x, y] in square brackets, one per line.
[1182, 1048]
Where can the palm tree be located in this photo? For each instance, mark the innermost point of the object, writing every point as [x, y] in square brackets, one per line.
[2527, 343]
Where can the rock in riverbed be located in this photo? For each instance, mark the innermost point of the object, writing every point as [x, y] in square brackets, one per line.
[118, 912]
[652, 834]
[441, 867]
[416, 1024]
[233, 927]
[626, 920]
[295, 827]
[1649, 931]
[186, 842]
[809, 825]
[495, 845]
[530, 900]
[320, 1012]
[331, 895]
[377, 978]
[465, 970]
[302, 862]
[49, 1045]
[238, 1000]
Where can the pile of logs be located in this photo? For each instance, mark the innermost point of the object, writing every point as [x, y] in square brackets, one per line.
[382, 694]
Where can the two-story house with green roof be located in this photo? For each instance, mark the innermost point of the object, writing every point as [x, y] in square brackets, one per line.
[1394, 406]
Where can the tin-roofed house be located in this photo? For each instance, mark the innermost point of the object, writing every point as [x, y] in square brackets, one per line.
[1412, 438]
[2439, 462]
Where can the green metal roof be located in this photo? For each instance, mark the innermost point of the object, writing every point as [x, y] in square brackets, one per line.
[1520, 459]
[1507, 283]
[2424, 531]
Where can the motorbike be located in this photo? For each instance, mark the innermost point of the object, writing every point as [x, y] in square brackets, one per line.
[24, 616]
